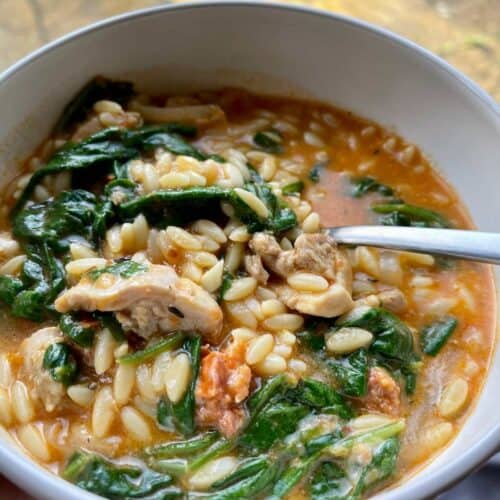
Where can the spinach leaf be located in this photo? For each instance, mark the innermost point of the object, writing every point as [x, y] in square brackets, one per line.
[311, 339]
[76, 330]
[351, 373]
[392, 337]
[321, 397]
[97, 475]
[220, 447]
[328, 482]
[180, 416]
[9, 288]
[382, 465]
[272, 387]
[182, 448]
[179, 206]
[269, 140]
[173, 341]
[43, 278]
[434, 336]
[125, 268]
[274, 422]
[251, 487]
[100, 149]
[364, 185]
[246, 468]
[402, 214]
[61, 364]
[108, 149]
[97, 89]
[52, 221]
[292, 188]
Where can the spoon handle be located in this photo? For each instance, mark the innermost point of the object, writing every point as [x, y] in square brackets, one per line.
[469, 245]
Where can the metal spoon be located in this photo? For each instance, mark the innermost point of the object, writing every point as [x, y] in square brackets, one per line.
[469, 245]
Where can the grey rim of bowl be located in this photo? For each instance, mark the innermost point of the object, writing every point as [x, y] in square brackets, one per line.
[484, 448]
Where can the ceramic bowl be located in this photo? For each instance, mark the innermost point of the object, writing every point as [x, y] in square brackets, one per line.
[295, 51]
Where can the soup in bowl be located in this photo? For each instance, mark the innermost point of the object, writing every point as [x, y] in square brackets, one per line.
[178, 323]
[140, 374]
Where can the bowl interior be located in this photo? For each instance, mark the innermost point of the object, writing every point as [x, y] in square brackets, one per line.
[296, 52]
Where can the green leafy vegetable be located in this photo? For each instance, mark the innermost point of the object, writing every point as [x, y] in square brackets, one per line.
[61, 364]
[180, 205]
[43, 278]
[50, 222]
[269, 140]
[328, 481]
[434, 336]
[124, 268]
[9, 288]
[108, 148]
[364, 185]
[351, 373]
[97, 89]
[246, 468]
[182, 448]
[97, 475]
[392, 337]
[173, 341]
[76, 330]
[109, 321]
[180, 416]
[402, 214]
[293, 187]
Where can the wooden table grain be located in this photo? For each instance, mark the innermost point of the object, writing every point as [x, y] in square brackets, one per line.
[465, 32]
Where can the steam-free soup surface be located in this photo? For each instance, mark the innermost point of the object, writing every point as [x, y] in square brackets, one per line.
[176, 323]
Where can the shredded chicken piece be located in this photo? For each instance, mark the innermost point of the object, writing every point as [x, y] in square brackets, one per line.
[156, 300]
[42, 386]
[383, 393]
[312, 253]
[254, 267]
[223, 384]
[393, 300]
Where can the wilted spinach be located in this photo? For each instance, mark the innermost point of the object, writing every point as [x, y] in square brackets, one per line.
[351, 373]
[172, 341]
[402, 214]
[434, 336]
[80, 332]
[61, 363]
[365, 185]
[97, 475]
[292, 188]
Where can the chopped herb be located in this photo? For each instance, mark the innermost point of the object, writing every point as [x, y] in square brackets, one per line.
[402, 214]
[76, 330]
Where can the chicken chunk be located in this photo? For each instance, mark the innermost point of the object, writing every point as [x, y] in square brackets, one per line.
[393, 300]
[254, 267]
[223, 384]
[312, 253]
[383, 393]
[156, 300]
[42, 386]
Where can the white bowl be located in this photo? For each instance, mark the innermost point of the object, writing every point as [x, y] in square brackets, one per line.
[277, 49]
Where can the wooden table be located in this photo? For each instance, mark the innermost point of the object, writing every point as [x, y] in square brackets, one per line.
[465, 32]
